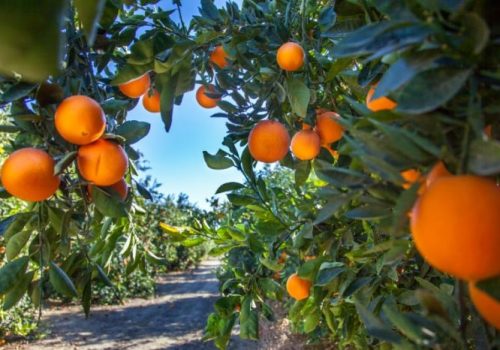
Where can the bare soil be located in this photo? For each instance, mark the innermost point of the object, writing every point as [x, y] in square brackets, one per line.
[174, 319]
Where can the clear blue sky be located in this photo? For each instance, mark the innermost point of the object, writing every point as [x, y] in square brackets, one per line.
[176, 157]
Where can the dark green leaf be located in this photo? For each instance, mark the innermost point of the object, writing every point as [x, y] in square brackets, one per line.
[61, 281]
[229, 186]
[133, 130]
[11, 272]
[329, 271]
[431, 89]
[217, 161]
[484, 157]
[249, 320]
[108, 204]
[299, 96]
[64, 162]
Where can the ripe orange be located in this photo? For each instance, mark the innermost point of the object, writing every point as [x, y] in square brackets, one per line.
[120, 188]
[102, 162]
[411, 176]
[455, 225]
[290, 56]
[306, 144]
[219, 57]
[297, 287]
[379, 104]
[437, 171]
[203, 99]
[488, 129]
[282, 258]
[268, 141]
[28, 174]
[328, 129]
[151, 102]
[136, 87]
[487, 306]
[80, 120]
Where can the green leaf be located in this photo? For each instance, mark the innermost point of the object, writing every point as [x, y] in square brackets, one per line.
[484, 157]
[328, 271]
[61, 281]
[16, 293]
[103, 276]
[249, 320]
[89, 13]
[108, 204]
[16, 244]
[33, 24]
[229, 186]
[270, 287]
[375, 327]
[143, 191]
[218, 161]
[87, 297]
[133, 130]
[326, 19]
[11, 272]
[331, 207]
[476, 32]
[431, 89]
[338, 66]
[302, 171]
[299, 96]
[403, 70]
[404, 324]
[64, 162]
[16, 92]
[368, 212]
[166, 85]
[403, 206]
[311, 321]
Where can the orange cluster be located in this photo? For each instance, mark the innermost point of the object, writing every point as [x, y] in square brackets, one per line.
[454, 224]
[80, 120]
[141, 86]
[219, 58]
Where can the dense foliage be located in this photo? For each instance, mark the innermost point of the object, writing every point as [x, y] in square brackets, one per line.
[341, 219]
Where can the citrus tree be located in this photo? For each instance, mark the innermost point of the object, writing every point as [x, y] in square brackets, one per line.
[384, 212]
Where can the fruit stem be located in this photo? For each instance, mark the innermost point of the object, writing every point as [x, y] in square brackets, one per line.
[40, 262]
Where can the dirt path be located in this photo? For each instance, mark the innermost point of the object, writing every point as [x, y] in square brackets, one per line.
[173, 320]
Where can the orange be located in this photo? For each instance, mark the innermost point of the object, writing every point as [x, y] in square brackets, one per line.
[120, 188]
[306, 144]
[306, 126]
[487, 306]
[411, 176]
[455, 225]
[282, 258]
[437, 171]
[268, 141]
[151, 102]
[136, 87]
[219, 57]
[80, 120]
[203, 99]
[328, 129]
[297, 287]
[28, 174]
[102, 162]
[488, 129]
[290, 56]
[379, 104]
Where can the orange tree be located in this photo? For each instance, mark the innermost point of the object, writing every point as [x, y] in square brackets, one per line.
[68, 154]
[391, 88]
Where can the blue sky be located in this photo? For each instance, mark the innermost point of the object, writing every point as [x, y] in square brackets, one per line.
[176, 158]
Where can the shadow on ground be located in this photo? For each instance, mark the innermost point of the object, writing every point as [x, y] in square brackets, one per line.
[174, 319]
